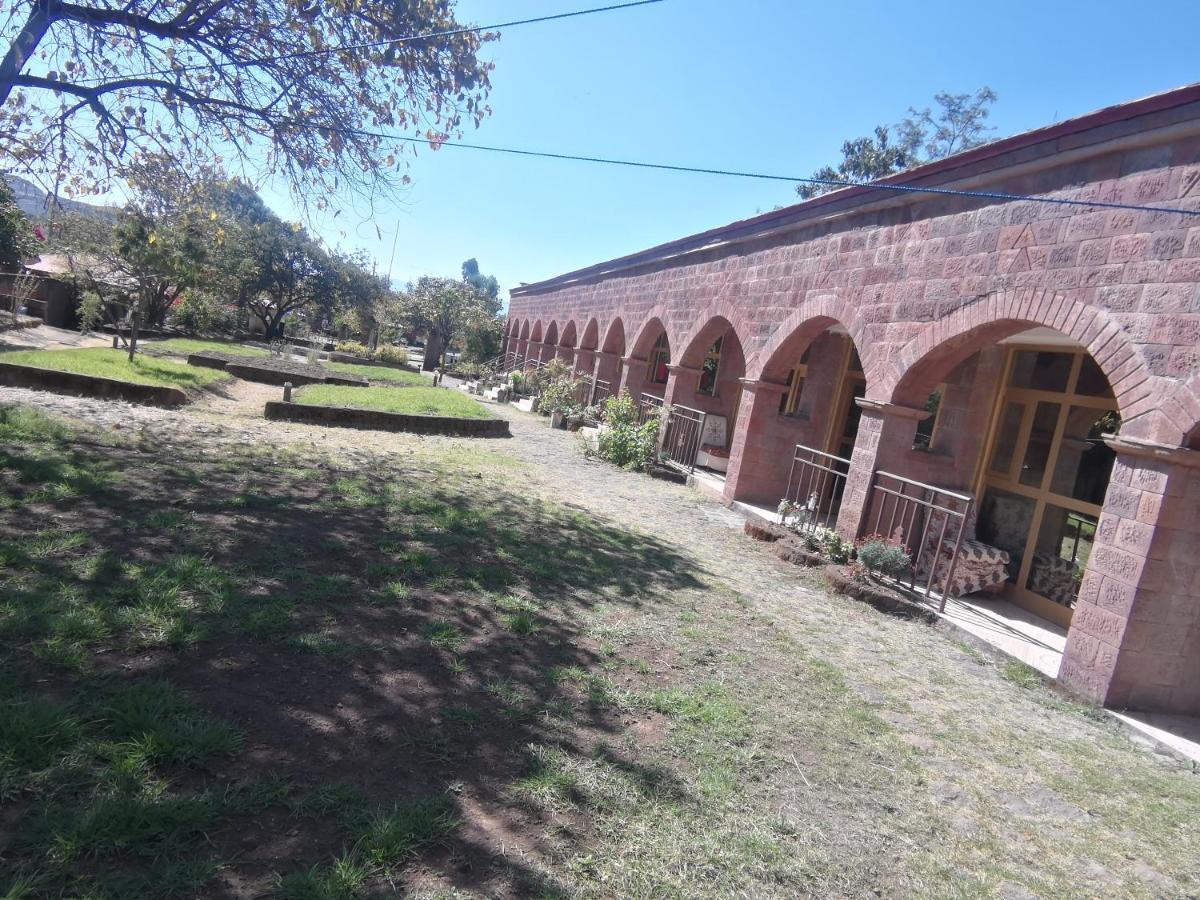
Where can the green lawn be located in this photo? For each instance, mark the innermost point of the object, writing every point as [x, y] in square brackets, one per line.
[380, 373]
[184, 346]
[429, 401]
[107, 363]
[267, 671]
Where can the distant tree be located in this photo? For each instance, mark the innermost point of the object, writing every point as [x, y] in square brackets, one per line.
[485, 284]
[959, 123]
[18, 241]
[287, 87]
[444, 309]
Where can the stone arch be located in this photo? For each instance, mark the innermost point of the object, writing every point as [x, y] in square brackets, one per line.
[591, 335]
[647, 336]
[552, 334]
[569, 336]
[536, 334]
[525, 330]
[776, 358]
[696, 344]
[614, 337]
[942, 345]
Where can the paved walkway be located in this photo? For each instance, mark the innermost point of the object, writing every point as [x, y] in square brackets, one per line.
[912, 672]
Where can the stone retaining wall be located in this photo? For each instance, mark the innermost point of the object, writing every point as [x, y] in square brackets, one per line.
[273, 371]
[15, 375]
[345, 417]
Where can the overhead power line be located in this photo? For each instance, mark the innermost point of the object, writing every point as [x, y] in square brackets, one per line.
[733, 173]
[384, 42]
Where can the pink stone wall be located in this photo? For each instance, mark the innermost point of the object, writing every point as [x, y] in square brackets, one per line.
[926, 287]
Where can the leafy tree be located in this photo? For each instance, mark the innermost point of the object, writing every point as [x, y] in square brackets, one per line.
[959, 123]
[444, 308]
[292, 272]
[18, 242]
[484, 337]
[485, 284]
[288, 87]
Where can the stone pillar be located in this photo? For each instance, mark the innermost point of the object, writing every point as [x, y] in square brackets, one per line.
[681, 384]
[607, 367]
[633, 375]
[584, 362]
[885, 433]
[760, 453]
[1135, 634]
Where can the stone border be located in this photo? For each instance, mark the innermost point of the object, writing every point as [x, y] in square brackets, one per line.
[840, 581]
[347, 417]
[15, 375]
[256, 369]
[335, 356]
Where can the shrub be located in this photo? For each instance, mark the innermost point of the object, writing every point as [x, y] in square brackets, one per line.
[619, 409]
[389, 354]
[884, 556]
[354, 348]
[560, 395]
[197, 312]
[629, 445]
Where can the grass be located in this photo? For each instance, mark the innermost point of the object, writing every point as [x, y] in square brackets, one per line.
[260, 673]
[186, 346]
[426, 401]
[107, 363]
[382, 374]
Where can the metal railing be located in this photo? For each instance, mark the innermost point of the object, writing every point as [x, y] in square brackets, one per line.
[649, 407]
[816, 483]
[930, 521]
[681, 437]
[601, 391]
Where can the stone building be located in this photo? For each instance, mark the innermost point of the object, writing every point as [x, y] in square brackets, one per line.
[1040, 357]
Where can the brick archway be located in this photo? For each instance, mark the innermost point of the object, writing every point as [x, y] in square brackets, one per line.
[614, 337]
[646, 334]
[775, 358]
[1148, 404]
[696, 344]
[591, 335]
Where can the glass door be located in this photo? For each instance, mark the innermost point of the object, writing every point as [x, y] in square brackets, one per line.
[1046, 475]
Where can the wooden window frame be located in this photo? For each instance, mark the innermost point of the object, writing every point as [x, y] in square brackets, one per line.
[1010, 480]
[713, 353]
[660, 350]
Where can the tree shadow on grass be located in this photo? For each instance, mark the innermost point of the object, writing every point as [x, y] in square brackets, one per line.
[407, 634]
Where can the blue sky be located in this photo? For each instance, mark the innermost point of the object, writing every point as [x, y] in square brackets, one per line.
[761, 85]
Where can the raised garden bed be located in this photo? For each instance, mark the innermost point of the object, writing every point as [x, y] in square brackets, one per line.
[345, 417]
[274, 371]
[80, 385]
[789, 548]
[334, 356]
[7, 323]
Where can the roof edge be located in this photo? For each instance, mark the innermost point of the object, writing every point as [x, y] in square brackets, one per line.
[1108, 115]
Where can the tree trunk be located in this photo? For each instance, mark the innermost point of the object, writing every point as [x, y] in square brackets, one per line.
[433, 351]
[133, 333]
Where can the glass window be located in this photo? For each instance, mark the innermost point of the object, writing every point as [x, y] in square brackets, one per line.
[1005, 520]
[660, 358]
[789, 402]
[927, 427]
[1092, 381]
[1006, 438]
[709, 369]
[1061, 553]
[1084, 461]
[1037, 450]
[1041, 370]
